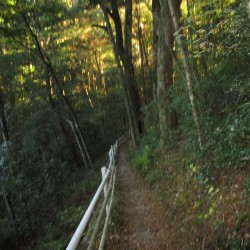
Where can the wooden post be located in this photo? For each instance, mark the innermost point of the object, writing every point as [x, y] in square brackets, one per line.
[104, 170]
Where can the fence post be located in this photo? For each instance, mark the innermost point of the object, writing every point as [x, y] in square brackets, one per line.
[105, 189]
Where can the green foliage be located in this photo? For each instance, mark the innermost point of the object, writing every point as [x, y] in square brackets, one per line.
[221, 85]
[38, 187]
[40, 168]
[66, 220]
[143, 160]
[37, 174]
[228, 131]
[7, 232]
[152, 131]
[32, 183]
[185, 131]
[143, 157]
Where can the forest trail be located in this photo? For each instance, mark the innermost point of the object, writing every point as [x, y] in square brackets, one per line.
[141, 215]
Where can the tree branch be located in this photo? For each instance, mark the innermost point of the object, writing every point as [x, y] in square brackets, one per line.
[101, 27]
[45, 59]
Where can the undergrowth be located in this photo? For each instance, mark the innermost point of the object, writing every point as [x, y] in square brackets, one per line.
[58, 232]
[206, 207]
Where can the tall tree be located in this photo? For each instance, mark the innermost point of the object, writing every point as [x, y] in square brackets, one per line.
[156, 11]
[72, 119]
[164, 62]
[248, 7]
[174, 13]
[122, 47]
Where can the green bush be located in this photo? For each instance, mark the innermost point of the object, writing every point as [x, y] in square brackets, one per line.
[143, 160]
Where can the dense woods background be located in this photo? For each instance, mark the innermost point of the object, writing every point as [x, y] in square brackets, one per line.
[75, 75]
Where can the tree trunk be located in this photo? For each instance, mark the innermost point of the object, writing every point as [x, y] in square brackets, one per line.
[129, 72]
[140, 41]
[5, 138]
[156, 11]
[11, 212]
[3, 122]
[121, 71]
[248, 7]
[187, 70]
[47, 63]
[63, 125]
[123, 56]
[165, 31]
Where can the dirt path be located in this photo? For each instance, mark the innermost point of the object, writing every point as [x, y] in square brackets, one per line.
[141, 214]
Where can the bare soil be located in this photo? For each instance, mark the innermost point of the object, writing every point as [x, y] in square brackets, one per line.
[141, 215]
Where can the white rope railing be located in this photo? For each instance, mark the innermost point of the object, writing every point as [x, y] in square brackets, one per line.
[106, 186]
